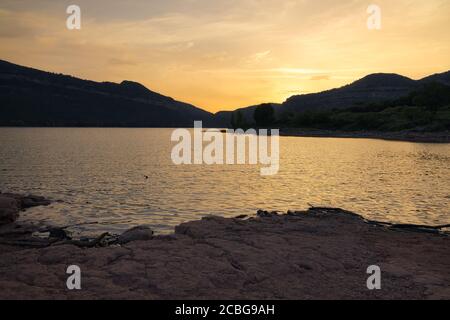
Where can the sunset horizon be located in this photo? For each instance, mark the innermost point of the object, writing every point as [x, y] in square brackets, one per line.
[224, 159]
[227, 56]
[236, 107]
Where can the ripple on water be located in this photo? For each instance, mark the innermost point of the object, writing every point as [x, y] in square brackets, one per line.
[100, 176]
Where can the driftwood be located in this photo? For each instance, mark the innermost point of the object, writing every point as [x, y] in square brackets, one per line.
[50, 229]
[84, 244]
[58, 236]
[53, 229]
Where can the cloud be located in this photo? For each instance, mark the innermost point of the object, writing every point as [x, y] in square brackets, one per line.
[320, 77]
[13, 26]
[261, 55]
[121, 62]
[180, 47]
[227, 52]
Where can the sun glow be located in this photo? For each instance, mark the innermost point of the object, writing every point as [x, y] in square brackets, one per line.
[227, 54]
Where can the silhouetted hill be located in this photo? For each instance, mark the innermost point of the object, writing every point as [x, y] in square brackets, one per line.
[439, 77]
[30, 97]
[223, 118]
[381, 80]
[372, 88]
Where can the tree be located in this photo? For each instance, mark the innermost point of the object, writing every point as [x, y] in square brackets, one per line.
[238, 121]
[233, 121]
[431, 96]
[264, 115]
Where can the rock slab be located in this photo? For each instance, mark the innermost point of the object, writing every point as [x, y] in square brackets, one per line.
[318, 254]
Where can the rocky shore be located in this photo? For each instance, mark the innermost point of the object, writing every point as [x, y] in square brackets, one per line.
[322, 253]
[12, 204]
[410, 136]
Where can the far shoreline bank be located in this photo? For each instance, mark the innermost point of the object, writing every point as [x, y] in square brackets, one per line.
[441, 137]
[402, 136]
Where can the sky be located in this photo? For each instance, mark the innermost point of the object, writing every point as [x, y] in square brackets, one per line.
[226, 54]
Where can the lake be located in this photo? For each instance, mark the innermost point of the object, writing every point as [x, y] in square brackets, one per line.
[98, 175]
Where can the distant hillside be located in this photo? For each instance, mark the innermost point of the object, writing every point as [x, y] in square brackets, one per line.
[426, 109]
[439, 77]
[29, 97]
[223, 118]
[373, 89]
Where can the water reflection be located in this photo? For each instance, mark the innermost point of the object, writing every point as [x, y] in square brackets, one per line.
[99, 174]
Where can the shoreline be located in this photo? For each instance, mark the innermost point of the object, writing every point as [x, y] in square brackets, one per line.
[322, 253]
[406, 136]
[442, 137]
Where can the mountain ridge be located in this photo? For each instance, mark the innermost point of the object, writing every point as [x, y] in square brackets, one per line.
[31, 97]
[24, 90]
[373, 88]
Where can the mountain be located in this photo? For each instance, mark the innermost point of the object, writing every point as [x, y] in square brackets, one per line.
[223, 118]
[374, 88]
[438, 77]
[30, 97]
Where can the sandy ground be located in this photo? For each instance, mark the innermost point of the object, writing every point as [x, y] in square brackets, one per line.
[318, 254]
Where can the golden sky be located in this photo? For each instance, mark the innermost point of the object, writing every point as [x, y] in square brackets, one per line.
[225, 54]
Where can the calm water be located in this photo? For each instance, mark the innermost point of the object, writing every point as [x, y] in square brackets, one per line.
[98, 174]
